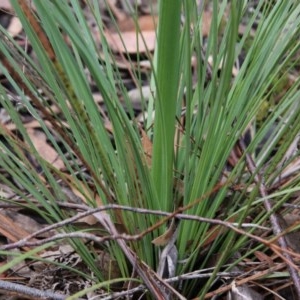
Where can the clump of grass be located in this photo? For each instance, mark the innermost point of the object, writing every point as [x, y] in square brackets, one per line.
[189, 170]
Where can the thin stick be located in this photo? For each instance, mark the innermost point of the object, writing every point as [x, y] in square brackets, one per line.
[275, 222]
[88, 211]
[28, 291]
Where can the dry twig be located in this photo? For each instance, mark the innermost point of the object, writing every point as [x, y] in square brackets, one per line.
[259, 180]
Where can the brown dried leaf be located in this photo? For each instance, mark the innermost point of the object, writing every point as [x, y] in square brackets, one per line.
[147, 146]
[39, 140]
[145, 23]
[133, 39]
[28, 223]
[131, 42]
[11, 230]
[164, 239]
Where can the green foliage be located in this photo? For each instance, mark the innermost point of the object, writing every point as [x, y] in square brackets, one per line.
[218, 112]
